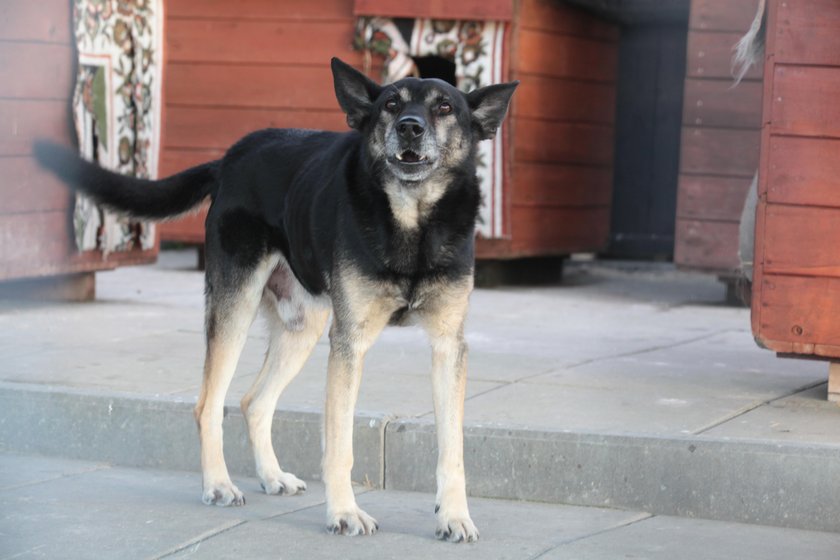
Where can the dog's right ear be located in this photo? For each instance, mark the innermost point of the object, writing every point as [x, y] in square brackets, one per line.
[355, 92]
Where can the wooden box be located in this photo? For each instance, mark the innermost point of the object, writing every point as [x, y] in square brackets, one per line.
[720, 140]
[237, 67]
[796, 301]
[37, 71]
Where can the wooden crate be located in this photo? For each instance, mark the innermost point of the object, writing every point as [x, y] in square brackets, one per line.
[720, 140]
[237, 68]
[37, 65]
[796, 302]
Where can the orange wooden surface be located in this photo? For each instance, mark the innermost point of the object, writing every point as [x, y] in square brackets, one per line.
[798, 314]
[264, 69]
[709, 53]
[796, 295]
[260, 10]
[45, 21]
[557, 184]
[805, 101]
[36, 80]
[720, 141]
[563, 135]
[566, 56]
[807, 33]
[494, 10]
[220, 127]
[558, 99]
[719, 152]
[706, 243]
[555, 17]
[722, 15]
[238, 67]
[705, 197]
[804, 171]
[713, 103]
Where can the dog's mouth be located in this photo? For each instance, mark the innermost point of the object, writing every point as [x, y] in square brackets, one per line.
[411, 157]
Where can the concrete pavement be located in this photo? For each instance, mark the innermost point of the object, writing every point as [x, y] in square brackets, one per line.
[628, 387]
[57, 508]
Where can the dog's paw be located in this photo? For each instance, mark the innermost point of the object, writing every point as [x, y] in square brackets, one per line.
[352, 523]
[283, 484]
[223, 494]
[456, 528]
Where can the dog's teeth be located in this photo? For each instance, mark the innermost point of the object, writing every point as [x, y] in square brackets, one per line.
[399, 157]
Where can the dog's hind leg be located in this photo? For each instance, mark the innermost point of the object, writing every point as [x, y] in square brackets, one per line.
[232, 303]
[289, 346]
[444, 321]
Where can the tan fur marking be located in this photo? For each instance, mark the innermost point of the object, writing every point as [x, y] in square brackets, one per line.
[223, 350]
[411, 205]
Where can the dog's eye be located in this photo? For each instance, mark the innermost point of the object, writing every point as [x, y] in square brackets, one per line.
[391, 105]
[444, 108]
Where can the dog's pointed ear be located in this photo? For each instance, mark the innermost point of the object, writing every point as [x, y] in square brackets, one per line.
[489, 106]
[355, 92]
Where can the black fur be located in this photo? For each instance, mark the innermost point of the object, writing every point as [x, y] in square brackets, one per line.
[317, 197]
[138, 197]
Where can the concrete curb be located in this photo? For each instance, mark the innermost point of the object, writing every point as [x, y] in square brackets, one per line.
[786, 485]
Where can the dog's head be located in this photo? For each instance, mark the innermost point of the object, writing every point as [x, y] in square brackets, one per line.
[415, 128]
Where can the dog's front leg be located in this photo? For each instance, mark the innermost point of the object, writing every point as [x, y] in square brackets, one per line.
[348, 345]
[449, 381]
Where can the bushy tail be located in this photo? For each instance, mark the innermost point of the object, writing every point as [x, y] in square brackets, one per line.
[750, 48]
[141, 198]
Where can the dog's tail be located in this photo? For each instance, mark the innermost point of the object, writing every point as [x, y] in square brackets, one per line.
[750, 48]
[141, 198]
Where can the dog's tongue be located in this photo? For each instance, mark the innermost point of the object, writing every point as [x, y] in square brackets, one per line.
[410, 157]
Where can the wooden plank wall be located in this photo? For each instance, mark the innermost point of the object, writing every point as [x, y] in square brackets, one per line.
[233, 68]
[796, 302]
[720, 140]
[562, 132]
[236, 67]
[37, 70]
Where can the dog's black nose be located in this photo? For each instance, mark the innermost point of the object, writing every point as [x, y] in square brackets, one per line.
[411, 127]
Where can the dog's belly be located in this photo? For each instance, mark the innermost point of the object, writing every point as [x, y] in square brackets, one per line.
[289, 298]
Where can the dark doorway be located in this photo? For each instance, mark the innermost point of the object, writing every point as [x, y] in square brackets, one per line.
[436, 67]
[651, 76]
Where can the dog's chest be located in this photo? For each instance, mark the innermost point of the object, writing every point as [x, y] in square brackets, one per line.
[411, 205]
[408, 299]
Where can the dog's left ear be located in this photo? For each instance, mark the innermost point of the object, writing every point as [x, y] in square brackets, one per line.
[355, 92]
[489, 106]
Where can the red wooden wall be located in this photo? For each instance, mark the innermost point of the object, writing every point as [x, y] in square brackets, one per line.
[796, 288]
[562, 132]
[237, 67]
[37, 69]
[720, 141]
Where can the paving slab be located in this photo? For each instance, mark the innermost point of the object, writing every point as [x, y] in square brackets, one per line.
[623, 364]
[667, 538]
[806, 417]
[96, 511]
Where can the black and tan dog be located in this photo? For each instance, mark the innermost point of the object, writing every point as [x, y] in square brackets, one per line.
[376, 224]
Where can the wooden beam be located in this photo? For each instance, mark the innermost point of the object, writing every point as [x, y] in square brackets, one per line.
[834, 382]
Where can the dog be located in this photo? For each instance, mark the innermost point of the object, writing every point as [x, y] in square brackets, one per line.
[374, 226]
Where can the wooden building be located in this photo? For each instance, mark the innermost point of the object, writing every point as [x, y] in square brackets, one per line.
[796, 287]
[720, 139]
[37, 70]
[233, 67]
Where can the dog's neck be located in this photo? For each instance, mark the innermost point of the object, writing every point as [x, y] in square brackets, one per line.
[411, 203]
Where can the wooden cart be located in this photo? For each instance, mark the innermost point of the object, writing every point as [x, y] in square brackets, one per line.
[37, 69]
[796, 288]
[233, 67]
